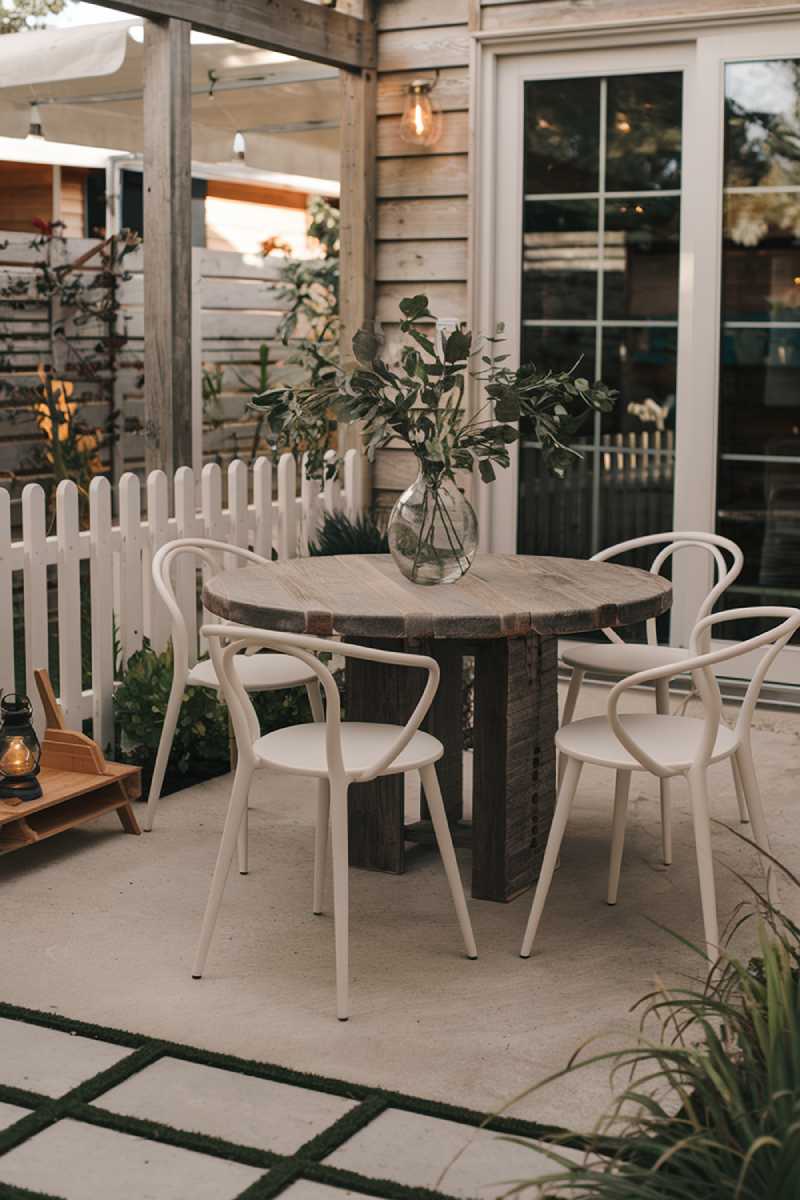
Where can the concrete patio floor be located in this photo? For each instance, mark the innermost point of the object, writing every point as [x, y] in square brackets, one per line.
[101, 926]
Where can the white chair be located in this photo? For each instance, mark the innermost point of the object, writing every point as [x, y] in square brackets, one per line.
[337, 753]
[617, 657]
[258, 672]
[668, 746]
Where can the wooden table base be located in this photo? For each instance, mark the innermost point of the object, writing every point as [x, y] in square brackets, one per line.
[514, 769]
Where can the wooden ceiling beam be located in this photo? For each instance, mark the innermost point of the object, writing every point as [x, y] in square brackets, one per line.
[289, 26]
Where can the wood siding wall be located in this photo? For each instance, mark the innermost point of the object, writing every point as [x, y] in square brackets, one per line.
[25, 195]
[423, 195]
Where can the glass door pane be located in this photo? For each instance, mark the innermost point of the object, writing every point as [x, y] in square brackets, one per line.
[600, 263]
[758, 483]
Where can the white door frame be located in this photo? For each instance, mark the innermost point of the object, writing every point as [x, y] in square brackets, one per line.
[700, 47]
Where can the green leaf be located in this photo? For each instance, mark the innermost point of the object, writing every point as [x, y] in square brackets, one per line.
[486, 471]
[507, 407]
[457, 346]
[414, 307]
[422, 340]
[366, 347]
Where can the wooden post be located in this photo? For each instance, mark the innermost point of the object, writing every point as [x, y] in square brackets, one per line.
[514, 766]
[359, 98]
[167, 244]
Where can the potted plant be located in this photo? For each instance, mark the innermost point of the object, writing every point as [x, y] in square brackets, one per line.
[433, 531]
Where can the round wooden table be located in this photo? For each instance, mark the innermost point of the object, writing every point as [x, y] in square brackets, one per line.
[507, 612]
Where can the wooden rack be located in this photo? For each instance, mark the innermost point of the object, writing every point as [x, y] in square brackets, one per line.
[78, 784]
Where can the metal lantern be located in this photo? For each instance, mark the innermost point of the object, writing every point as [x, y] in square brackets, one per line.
[20, 751]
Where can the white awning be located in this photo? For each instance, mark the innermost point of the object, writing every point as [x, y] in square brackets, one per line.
[58, 55]
[88, 84]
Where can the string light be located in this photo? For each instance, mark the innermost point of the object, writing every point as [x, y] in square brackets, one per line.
[421, 122]
[239, 145]
[35, 122]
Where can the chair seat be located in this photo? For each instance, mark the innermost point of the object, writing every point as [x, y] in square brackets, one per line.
[618, 658]
[671, 741]
[301, 748]
[258, 672]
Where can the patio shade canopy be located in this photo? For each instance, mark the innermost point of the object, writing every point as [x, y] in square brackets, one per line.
[88, 82]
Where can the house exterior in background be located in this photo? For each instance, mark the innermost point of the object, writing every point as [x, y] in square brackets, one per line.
[618, 181]
[231, 210]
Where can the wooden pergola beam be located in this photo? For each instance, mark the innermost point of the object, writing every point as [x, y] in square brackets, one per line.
[289, 26]
[167, 245]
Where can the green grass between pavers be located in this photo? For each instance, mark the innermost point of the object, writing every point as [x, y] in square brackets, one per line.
[280, 1171]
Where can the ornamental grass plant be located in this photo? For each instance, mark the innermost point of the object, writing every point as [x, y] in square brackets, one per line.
[710, 1106]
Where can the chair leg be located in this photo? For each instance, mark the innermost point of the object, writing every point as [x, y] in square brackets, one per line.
[575, 682]
[755, 808]
[242, 844]
[698, 791]
[321, 842]
[741, 799]
[621, 792]
[237, 809]
[341, 899]
[666, 785]
[433, 795]
[244, 828]
[315, 700]
[566, 794]
[164, 748]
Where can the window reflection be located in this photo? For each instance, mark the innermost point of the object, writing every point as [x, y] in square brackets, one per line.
[762, 123]
[643, 132]
[760, 392]
[758, 481]
[641, 364]
[761, 257]
[562, 138]
[641, 257]
[560, 259]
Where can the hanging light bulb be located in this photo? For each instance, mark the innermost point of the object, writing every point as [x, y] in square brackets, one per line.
[239, 145]
[35, 121]
[421, 122]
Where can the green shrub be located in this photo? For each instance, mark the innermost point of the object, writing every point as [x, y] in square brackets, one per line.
[200, 749]
[712, 1107]
[339, 535]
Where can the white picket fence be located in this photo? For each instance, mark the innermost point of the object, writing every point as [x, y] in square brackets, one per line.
[123, 604]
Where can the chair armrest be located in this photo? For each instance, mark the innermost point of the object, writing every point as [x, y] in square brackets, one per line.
[307, 647]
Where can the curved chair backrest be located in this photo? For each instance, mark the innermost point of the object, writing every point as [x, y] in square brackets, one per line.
[227, 640]
[771, 642]
[714, 545]
[207, 551]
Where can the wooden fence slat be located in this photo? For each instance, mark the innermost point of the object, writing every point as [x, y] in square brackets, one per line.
[34, 534]
[287, 507]
[155, 616]
[101, 599]
[7, 681]
[262, 505]
[129, 611]
[353, 483]
[309, 504]
[214, 521]
[237, 506]
[70, 623]
[332, 488]
[186, 567]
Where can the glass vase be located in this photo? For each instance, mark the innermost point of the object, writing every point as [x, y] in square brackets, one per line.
[433, 531]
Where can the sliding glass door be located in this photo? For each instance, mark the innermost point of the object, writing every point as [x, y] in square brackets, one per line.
[758, 479]
[639, 214]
